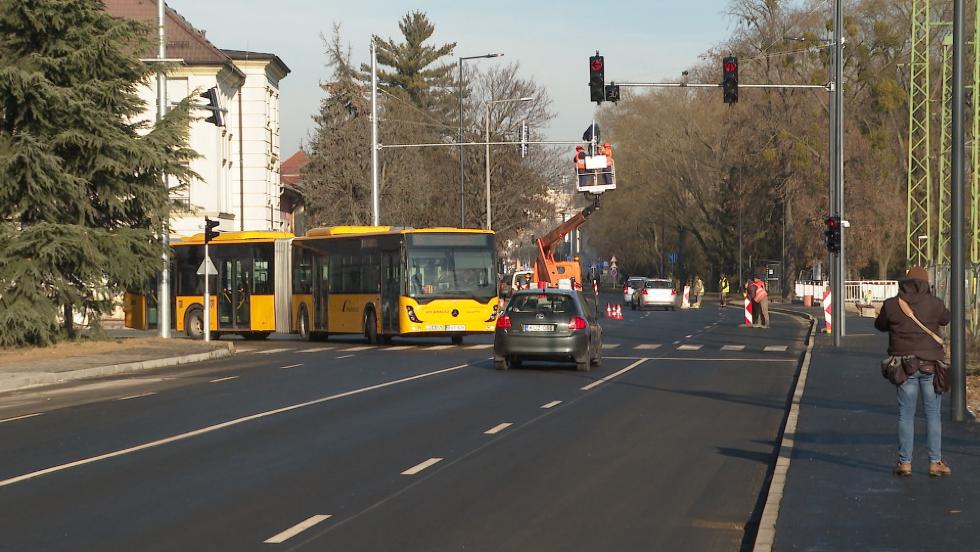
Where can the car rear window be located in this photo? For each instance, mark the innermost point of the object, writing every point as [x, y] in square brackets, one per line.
[659, 284]
[634, 282]
[550, 302]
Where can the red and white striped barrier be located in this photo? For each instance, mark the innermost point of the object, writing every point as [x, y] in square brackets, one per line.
[827, 311]
[686, 298]
[748, 312]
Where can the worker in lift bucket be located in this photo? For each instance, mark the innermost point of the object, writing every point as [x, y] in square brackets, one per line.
[583, 175]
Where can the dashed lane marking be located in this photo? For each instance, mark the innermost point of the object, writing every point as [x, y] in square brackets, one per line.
[315, 350]
[399, 348]
[689, 347]
[497, 428]
[419, 467]
[647, 346]
[597, 383]
[344, 356]
[297, 529]
[136, 396]
[270, 351]
[439, 347]
[361, 348]
[21, 417]
[481, 346]
[610, 345]
[223, 379]
[733, 347]
[775, 348]
[552, 404]
[222, 425]
[290, 366]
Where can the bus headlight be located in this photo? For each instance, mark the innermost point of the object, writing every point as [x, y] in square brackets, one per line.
[411, 314]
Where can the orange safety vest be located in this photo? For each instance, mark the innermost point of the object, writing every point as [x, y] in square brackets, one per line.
[606, 149]
[760, 290]
[579, 160]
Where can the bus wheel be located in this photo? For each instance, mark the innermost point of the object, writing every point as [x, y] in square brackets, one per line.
[194, 323]
[371, 327]
[304, 325]
[457, 340]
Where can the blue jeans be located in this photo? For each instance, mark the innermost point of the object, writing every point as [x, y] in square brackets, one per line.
[908, 397]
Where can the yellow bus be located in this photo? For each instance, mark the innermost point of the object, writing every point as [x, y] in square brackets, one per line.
[249, 294]
[383, 281]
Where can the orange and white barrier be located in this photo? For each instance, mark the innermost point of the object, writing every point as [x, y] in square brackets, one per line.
[686, 298]
[828, 312]
[748, 312]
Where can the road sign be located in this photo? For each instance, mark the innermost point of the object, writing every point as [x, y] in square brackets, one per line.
[672, 258]
[212, 270]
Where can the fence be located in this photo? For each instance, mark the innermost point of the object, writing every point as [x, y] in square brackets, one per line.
[855, 291]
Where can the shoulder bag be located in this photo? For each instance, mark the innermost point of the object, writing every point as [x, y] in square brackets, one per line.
[940, 382]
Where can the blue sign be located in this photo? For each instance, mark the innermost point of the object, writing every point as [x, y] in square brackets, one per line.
[672, 257]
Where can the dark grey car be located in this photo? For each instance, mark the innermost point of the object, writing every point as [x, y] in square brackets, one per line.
[548, 324]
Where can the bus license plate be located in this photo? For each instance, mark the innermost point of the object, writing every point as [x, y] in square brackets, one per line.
[456, 328]
[539, 327]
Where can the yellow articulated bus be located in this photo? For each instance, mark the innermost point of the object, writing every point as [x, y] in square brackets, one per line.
[249, 294]
[383, 281]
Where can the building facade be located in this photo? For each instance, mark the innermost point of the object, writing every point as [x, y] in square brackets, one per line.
[239, 163]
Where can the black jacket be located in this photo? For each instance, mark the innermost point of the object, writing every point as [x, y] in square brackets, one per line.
[905, 337]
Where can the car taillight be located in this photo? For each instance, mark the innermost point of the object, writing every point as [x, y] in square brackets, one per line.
[577, 323]
[645, 292]
[503, 322]
[626, 290]
[673, 292]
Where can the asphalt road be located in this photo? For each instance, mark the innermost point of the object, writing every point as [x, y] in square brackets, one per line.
[417, 446]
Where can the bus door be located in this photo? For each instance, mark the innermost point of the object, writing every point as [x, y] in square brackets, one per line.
[321, 288]
[391, 264]
[233, 300]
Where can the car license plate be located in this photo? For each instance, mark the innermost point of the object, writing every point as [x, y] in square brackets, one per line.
[539, 327]
[456, 328]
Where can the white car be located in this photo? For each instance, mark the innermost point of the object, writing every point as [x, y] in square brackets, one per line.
[655, 292]
[630, 286]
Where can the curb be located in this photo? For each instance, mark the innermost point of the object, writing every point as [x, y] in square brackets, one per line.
[766, 534]
[19, 382]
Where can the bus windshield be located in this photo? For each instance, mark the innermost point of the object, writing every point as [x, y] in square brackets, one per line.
[451, 266]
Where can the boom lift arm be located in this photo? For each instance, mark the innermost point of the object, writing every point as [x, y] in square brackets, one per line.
[546, 268]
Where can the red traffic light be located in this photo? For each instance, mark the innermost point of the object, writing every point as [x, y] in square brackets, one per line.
[597, 64]
[832, 222]
[730, 67]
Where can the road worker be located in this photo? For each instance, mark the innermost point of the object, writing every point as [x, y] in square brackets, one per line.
[723, 288]
[607, 176]
[583, 175]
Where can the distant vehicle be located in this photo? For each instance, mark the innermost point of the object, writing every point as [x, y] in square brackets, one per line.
[514, 281]
[655, 292]
[548, 324]
[631, 285]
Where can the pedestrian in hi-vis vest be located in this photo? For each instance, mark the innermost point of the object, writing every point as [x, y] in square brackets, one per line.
[762, 299]
[723, 290]
[698, 292]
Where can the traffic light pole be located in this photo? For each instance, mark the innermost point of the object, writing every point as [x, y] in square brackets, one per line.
[207, 294]
[839, 272]
[957, 278]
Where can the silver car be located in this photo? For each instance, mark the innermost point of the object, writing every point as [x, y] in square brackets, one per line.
[632, 285]
[655, 292]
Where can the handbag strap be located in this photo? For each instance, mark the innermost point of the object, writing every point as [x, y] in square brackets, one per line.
[907, 309]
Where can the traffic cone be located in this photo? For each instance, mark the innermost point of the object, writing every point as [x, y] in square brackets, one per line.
[609, 310]
[619, 312]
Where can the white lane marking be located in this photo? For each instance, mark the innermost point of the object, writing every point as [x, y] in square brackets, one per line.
[136, 396]
[689, 347]
[222, 425]
[417, 468]
[270, 351]
[733, 347]
[482, 346]
[688, 336]
[439, 347]
[552, 404]
[223, 379]
[290, 366]
[297, 529]
[21, 417]
[497, 428]
[703, 359]
[399, 348]
[610, 345]
[648, 346]
[613, 375]
[361, 348]
[344, 356]
[775, 348]
[315, 350]
[676, 342]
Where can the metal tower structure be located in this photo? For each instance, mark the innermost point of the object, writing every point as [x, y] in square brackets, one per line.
[975, 147]
[945, 153]
[919, 182]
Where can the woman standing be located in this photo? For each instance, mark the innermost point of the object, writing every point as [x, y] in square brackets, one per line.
[920, 352]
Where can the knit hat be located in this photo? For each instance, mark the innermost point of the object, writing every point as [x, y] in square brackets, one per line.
[917, 273]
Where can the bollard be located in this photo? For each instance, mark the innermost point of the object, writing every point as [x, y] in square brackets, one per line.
[748, 312]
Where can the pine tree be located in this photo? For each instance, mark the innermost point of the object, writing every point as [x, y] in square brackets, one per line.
[81, 196]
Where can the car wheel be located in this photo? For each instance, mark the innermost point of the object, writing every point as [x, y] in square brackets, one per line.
[304, 325]
[583, 366]
[514, 362]
[194, 323]
[371, 328]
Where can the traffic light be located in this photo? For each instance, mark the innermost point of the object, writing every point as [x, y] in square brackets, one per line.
[216, 118]
[525, 137]
[612, 93]
[597, 78]
[833, 234]
[729, 79]
[209, 229]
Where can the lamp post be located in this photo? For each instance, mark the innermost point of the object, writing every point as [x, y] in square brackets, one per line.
[486, 121]
[462, 211]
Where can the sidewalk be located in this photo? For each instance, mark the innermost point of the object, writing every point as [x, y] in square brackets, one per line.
[840, 493]
[23, 368]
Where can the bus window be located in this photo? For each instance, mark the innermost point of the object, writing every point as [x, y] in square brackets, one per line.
[262, 271]
[302, 271]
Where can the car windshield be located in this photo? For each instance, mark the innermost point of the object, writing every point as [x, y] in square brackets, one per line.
[634, 282]
[659, 284]
[541, 302]
[451, 265]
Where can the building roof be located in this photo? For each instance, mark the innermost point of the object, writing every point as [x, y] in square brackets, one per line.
[183, 40]
[290, 171]
[243, 55]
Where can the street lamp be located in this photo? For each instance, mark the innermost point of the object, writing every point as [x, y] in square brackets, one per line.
[486, 121]
[462, 212]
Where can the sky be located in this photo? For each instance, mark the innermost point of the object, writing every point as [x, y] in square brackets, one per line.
[642, 40]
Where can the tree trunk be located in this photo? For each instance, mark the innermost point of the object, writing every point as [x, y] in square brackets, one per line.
[69, 322]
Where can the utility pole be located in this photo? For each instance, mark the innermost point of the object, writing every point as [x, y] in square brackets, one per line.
[163, 297]
[838, 264]
[375, 192]
[957, 334]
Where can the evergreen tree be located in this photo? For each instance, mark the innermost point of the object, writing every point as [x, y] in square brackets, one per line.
[81, 197]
